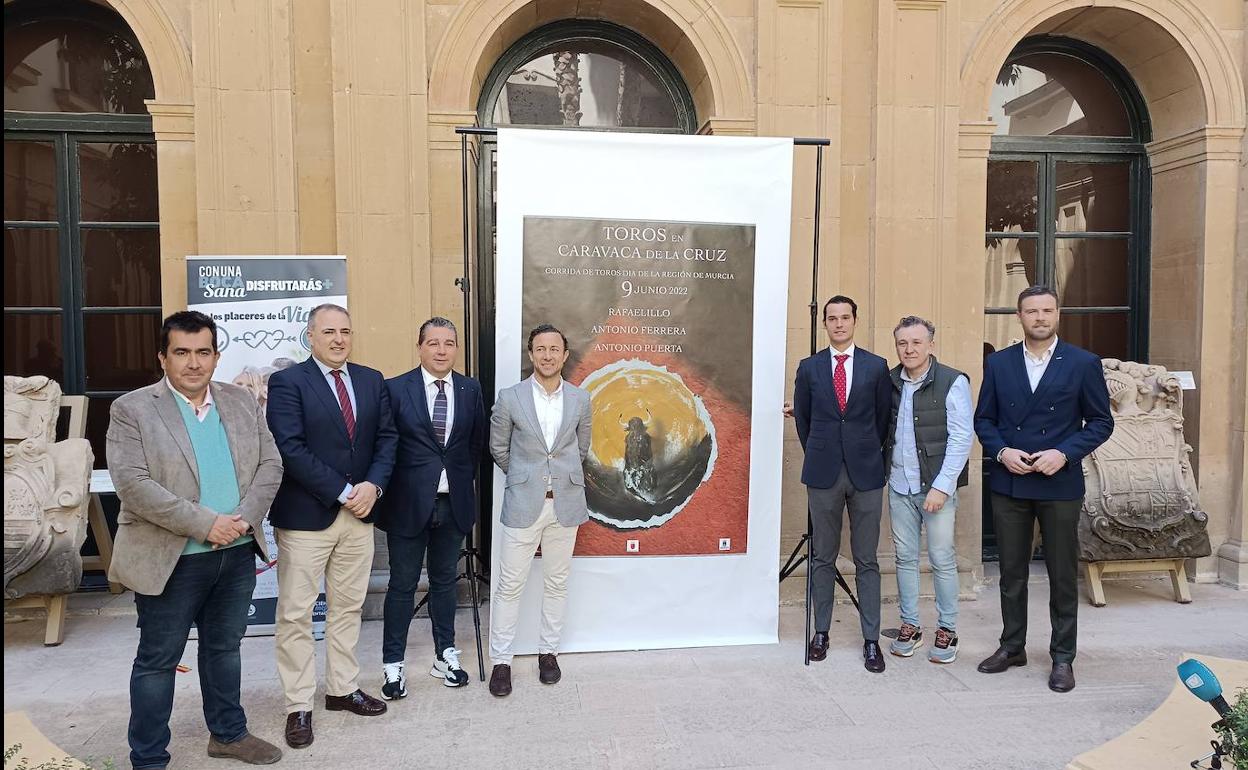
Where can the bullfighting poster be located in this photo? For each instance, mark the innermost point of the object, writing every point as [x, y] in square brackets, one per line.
[664, 260]
[261, 306]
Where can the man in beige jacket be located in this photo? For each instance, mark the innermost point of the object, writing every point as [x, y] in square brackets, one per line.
[196, 469]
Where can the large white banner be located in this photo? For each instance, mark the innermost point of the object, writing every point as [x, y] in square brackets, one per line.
[261, 306]
[664, 259]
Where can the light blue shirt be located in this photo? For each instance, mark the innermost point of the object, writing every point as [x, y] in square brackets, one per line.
[327, 372]
[904, 476]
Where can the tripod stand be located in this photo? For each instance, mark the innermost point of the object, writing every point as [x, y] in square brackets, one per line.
[471, 557]
[805, 542]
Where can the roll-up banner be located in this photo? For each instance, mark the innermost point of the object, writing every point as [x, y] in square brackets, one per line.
[261, 306]
[664, 259]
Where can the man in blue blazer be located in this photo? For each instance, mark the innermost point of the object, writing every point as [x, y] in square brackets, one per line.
[332, 424]
[432, 501]
[841, 404]
[1042, 408]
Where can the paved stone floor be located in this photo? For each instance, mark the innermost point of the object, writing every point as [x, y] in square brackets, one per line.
[713, 707]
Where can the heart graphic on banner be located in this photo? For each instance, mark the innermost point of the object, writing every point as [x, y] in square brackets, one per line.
[269, 338]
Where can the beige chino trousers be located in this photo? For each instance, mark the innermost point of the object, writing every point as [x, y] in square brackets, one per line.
[343, 555]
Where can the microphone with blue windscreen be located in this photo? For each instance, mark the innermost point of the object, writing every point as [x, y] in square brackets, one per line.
[1197, 678]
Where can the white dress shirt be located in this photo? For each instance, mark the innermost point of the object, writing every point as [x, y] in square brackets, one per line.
[431, 394]
[1036, 365]
[327, 371]
[201, 411]
[849, 368]
[549, 408]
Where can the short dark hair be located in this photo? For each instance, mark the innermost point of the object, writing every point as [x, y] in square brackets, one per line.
[914, 320]
[437, 322]
[323, 307]
[189, 321]
[546, 329]
[840, 299]
[1039, 290]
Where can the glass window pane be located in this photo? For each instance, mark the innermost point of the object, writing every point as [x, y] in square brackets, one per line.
[1052, 94]
[29, 181]
[32, 346]
[1105, 334]
[121, 350]
[32, 268]
[1011, 196]
[97, 426]
[1011, 265]
[1000, 331]
[1091, 272]
[118, 181]
[585, 83]
[122, 267]
[1093, 197]
[89, 63]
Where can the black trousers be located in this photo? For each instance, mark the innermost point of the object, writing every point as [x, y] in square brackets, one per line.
[1059, 526]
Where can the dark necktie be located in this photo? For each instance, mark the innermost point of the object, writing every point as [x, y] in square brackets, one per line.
[439, 412]
[344, 401]
[839, 380]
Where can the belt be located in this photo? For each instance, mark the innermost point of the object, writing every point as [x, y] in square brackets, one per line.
[550, 494]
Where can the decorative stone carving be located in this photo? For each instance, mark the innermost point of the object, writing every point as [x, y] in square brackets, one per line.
[1141, 500]
[45, 492]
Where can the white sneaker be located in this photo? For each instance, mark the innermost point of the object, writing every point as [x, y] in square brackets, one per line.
[394, 683]
[446, 667]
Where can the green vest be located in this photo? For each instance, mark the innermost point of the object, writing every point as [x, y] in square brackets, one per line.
[931, 422]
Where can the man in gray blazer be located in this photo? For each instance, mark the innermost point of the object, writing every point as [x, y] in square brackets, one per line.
[539, 436]
[196, 468]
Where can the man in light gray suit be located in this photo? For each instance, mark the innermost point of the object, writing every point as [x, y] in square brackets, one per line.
[539, 436]
[196, 468]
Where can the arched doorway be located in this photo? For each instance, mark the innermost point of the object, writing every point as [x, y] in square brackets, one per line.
[1068, 200]
[82, 301]
[568, 75]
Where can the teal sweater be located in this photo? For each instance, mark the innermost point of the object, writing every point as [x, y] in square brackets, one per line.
[218, 483]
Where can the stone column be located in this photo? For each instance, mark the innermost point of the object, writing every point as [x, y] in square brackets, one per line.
[174, 126]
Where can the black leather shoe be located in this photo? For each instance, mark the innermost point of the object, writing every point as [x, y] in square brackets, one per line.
[1062, 679]
[1002, 660]
[548, 668]
[358, 702]
[299, 729]
[819, 646]
[500, 680]
[872, 657]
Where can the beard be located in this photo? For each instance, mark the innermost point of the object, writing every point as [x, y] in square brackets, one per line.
[1040, 335]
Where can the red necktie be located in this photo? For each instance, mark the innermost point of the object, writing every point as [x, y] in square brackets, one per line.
[344, 401]
[838, 380]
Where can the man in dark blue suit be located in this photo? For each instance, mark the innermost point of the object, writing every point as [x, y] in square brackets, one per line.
[841, 403]
[1042, 408]
[432, 502]
[332, 424]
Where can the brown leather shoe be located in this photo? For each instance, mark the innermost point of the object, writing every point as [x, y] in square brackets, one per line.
[500, 680]
[1002, 660]
[248, 749]
[1062, 679]
[548, 668]
[819, 646]
[358, 702]
[299, 729]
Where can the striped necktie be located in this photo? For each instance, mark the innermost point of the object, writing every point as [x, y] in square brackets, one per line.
[439, 412]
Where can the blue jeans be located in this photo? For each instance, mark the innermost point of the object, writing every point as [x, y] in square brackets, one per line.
[441, 542]
[211, 590]
[908, 516]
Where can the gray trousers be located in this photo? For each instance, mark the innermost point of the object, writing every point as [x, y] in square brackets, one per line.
[826, 518]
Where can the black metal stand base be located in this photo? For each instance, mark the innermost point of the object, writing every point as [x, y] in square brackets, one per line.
[793, 563]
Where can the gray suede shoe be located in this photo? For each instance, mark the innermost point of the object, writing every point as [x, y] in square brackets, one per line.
[249, 749]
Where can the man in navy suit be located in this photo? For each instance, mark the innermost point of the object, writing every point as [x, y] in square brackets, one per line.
[841, 403]
[432, 502]
[332, 424]
[1042, 408]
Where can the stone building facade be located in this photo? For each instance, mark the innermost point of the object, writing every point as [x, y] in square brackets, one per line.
[975, 146]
